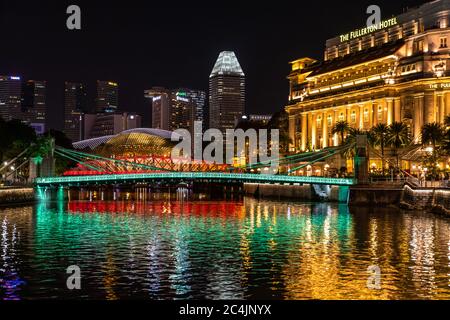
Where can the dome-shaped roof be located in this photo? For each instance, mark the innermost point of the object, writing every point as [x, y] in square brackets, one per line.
[134, 142]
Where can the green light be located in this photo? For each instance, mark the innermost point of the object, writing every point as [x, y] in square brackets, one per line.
[246, 178]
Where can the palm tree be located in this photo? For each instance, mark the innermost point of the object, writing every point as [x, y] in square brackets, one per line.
[398, 137]
[379, 134]
[434, 134]
[351, 141]
[341, 128]
[447, 121]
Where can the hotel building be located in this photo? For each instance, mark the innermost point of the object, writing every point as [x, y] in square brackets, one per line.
[398, 70]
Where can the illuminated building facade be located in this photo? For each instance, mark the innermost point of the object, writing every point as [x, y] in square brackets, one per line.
[75, 105]
[397, 71]
[226, 92]
[107, 97]
[10, 97]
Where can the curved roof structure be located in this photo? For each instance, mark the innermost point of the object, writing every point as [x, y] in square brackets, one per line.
[134, 142]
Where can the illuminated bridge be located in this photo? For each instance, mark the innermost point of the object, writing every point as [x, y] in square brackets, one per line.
[184, 177]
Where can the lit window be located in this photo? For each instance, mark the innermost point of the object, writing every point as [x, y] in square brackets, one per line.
[380, 113]
[353, 116]
[319, 122]
[341, 117]
[330, 120]
[366, 115]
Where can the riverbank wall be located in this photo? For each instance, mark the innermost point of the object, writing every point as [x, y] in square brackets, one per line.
[304, 192]
[16, 196]
[431, 199]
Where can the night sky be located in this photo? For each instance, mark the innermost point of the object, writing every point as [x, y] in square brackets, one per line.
[142, 44]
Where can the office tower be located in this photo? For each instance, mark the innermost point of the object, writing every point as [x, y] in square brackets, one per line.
[75, 105]
[107, 124]
[10, 97]
[226, 92]
[34, 104]
[198, 99]
[182, 111]
[107, 97]
[161, 99]
[176, 109]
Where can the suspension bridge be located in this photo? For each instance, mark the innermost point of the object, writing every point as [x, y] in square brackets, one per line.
[99, 171]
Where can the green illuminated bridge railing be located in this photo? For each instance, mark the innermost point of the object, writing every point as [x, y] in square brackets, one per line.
[191, 176]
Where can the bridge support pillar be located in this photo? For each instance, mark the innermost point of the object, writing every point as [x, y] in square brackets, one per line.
[361, 160]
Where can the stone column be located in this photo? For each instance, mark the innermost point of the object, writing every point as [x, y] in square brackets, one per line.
[325, 130]
[390, 111]
[418, 117]
[447, 103]
[335, 136]
[441, 109]
[314, 131]
[361, 117]
[292, 131]
[397, 110]
[304, 130]
[428, 109]
[374, 114]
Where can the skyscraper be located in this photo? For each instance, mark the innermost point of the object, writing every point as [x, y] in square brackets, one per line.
[226, 92]
[160, 98]
[176, 109]
[75, 105]
[107, 97]
[34, 104]
[198, 99]
[10, 97]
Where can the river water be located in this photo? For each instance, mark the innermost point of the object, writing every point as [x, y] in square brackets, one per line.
[247, 249]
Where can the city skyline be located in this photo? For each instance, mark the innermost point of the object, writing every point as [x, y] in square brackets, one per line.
[264, 41]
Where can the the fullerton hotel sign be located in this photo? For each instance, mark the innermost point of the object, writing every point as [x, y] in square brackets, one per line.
[368, 30]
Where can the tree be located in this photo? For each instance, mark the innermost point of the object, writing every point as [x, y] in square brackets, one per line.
[398, 137]
[379, 134]
[280, 121]
[15, 137]
[351, 141]
[433, 134]
[341, 128]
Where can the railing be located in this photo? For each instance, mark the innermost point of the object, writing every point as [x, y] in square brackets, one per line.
[250, 178]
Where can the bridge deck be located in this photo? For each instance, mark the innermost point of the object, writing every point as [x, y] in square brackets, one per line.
[190, 176]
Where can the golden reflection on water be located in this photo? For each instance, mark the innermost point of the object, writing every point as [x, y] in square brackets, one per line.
[250, 249]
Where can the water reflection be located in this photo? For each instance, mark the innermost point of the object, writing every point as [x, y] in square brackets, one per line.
[222, 250]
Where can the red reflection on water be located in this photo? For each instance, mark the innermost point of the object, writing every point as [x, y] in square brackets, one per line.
[211, 209]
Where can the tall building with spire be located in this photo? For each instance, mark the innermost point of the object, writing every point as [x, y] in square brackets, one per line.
[226, 92]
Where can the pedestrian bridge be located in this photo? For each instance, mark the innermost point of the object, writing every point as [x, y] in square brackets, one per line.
[184, 177]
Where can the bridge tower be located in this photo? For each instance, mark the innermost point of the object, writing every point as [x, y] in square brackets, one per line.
[362, 160]
[44, 166]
